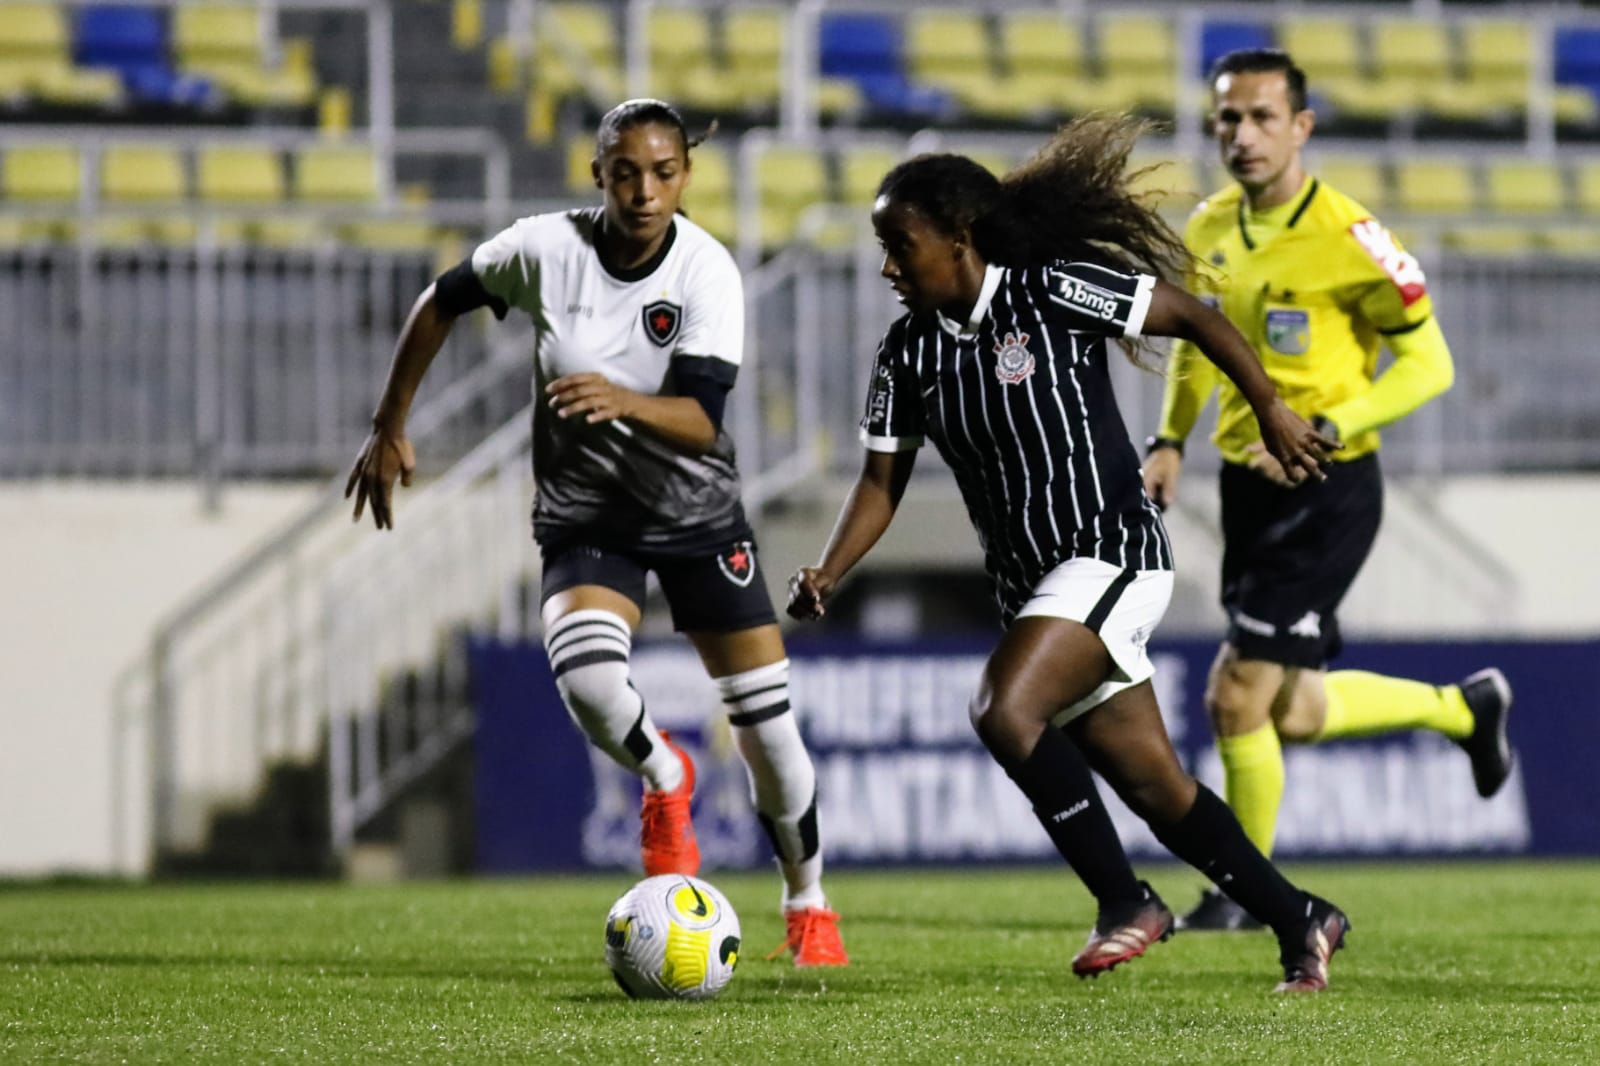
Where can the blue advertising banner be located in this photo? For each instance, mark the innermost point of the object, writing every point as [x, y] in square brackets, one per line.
[902, 779]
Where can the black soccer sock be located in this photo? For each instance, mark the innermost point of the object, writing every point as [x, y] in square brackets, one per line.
[1057, 782]
[1210, 839]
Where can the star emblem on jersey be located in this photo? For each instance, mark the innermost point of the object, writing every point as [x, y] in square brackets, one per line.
[661, 321]
[738, 563]
[1016, 362]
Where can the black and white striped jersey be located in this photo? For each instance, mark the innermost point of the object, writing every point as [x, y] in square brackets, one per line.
[611, 483]
[1019, 403]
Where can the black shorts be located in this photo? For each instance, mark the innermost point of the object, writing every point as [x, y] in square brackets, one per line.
[719, 592]
[1290, 555]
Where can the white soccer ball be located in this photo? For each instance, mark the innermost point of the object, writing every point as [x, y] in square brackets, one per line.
[672, 937]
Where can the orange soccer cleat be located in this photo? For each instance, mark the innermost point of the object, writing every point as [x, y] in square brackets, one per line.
[813, 934]
[666, 829]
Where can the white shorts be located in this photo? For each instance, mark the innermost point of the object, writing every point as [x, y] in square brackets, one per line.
[1122, 606]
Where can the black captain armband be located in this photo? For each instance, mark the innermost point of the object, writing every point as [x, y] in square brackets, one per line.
[706, 380]
[458, 290]
[1155, 444]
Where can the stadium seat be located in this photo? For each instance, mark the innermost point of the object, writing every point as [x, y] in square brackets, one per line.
[1218, 38]
[711, 199]
[861, 170]
[1409, 54]
[41, 174]
[224, 43]
[865, 49]
[1136, 43]
[239, 174]
[1041, 43]
[1358, 177]
[576, 46]
[788, 180]
[753, 43]
[1586, 187]
[1579, 242]
[580, 168]
[681, 70]
[1497, 56]
[1524, 186]
[1491, 240]
[950, 49]
[142, 173]
[336, 173]
[1173, 184]
[132, 41]
[35, 60]
[1326, 48]
[1435, 186]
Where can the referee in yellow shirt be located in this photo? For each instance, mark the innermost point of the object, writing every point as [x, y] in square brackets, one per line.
[1316, 284]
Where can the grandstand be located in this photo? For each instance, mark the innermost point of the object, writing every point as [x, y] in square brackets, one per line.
[214, 217]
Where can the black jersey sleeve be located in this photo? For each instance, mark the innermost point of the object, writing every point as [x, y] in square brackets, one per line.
[895, 420]
[1091, 298]
[706, 379]
[458, 290]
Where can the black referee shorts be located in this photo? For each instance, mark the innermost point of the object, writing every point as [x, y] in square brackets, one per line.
[1289, 556]
[715, 592]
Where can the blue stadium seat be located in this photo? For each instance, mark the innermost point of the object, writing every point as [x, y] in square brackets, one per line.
[866, 49]
[1217, 39]
[133, 42]
[1577, 57]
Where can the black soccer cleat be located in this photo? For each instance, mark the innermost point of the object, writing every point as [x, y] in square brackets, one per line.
[1305, 950]
[1123, 935]
[1216, 913]
[1488, 696]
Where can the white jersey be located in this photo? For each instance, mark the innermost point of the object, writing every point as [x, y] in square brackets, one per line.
[611, 483]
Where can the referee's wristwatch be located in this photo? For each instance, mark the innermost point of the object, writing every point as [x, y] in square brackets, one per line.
[1155, 444]
[1326, 427]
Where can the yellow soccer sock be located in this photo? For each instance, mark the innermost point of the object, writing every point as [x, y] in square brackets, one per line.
[1362, 704]
[1253, 771]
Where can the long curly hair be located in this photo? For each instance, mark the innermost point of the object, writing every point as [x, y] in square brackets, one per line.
[1072, 200]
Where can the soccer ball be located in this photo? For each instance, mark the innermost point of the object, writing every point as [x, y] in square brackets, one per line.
[672, 937]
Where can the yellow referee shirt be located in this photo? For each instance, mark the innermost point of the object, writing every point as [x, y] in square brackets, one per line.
[1314, 285]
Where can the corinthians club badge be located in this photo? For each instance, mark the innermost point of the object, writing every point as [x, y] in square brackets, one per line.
[1016, 362]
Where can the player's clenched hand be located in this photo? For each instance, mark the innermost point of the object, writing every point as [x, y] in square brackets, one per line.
[1161, 470]
[808, 589]
[1290, 449]
[386, 455]
[590, 395]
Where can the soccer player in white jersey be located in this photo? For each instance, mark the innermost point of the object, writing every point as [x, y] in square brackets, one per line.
[640, 330]
[1012, 288]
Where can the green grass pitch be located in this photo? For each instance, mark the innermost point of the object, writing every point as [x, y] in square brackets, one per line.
[1460, 963]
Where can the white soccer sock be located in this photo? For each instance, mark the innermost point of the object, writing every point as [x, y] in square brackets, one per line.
[588, 653]
[783, 783]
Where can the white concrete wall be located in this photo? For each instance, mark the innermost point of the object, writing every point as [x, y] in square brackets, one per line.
[87, 571]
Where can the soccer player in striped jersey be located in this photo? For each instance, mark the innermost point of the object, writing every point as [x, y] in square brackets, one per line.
[1315, 283]
[1013, 289]
[639, 324]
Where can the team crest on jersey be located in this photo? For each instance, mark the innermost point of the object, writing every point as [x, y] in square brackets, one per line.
[738, 563]
[1289, 331]
[1016, 362]
[661, 321]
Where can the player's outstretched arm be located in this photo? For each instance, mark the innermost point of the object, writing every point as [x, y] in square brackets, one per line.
[681, 421]
[387, 453]
[866, 513]
[1298, 448]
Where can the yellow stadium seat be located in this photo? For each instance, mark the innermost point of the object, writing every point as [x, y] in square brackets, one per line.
[788, 180]
[580, 164]
[1435, 186]
[1488, 240]
[32, 31]
[576, 46]
[678, 41]
[1497, 53]
[336, 173]
[1411, 52]
[390, 234]
[861, 170]
[240, 174]
[223, 42]
[1171, 184]
[1586, 187]
[1151, 90]
[1131, 43]
[35, 60]
[753, 42]
[216, 31]
[1364, 99]
[945, 41]
[1579, 242]
[1324, 47]
[125, 230]
[1041, 42]
[142, 173]
[711, 173]
[41, 174]
[1358, 177]
[1524, 186]
[1575, 106]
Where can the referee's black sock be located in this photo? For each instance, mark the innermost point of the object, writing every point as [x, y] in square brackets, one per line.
[1210, 839]
[1057, 782]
